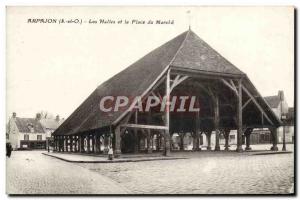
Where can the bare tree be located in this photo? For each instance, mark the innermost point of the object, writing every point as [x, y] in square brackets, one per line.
[45, 114]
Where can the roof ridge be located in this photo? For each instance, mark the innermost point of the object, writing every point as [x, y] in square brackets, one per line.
[180, 47]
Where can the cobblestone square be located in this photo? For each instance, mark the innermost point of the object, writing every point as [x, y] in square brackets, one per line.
[30, 172]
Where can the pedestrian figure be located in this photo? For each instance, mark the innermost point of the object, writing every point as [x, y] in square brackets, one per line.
[110, 154]
[8, 149]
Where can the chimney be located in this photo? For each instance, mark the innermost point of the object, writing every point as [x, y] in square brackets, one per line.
[281, 95]
[14, 115]
[38, 116]
[57, 118]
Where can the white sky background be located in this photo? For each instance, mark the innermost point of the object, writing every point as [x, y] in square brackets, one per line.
[55, 67]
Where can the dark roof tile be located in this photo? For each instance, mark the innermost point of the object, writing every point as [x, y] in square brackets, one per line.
[23, 125]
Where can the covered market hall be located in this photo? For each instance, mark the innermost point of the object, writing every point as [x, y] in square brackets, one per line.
[222, 98]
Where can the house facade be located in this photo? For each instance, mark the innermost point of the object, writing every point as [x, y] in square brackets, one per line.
[280, 108]
[30, 133]
[50, 125]
[26, 133]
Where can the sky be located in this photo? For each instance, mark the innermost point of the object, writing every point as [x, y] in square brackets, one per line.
[54, 67]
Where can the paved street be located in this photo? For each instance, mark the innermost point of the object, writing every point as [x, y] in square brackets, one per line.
[30, 172]
[202, 173]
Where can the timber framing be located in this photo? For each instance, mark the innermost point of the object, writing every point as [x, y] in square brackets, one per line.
[226, 98]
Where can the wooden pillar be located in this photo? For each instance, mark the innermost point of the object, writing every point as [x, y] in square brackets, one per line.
[239, 118]
[62, 144]
[55, 146]
[97, 138]
[71, 143]
[274, 134]
[117, 150]
[197, 133]
[167, 117]
[93, 142]
[54, 143]
[81, 143]
[59, 143]
[136, 137]
[208, 137]
[248, 134]
[158, 141]
[226, 136]
[106, 143]
[75, 143]
[216, 122]
[149, 148]
[66, 143]
[88, 143]
[181, 136]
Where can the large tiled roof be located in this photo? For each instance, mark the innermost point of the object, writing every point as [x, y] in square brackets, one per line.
[186, 51]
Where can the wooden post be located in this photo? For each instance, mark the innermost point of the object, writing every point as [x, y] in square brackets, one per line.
[93, 142]
[62, 144]
[226, 136]
[106, 143]
[117, 150]
[59, 143]
[71, 143]
[274, 134]
[88, 140]
[197, 134]
[81, 143]
[216, 122]
[54, 142]
[181, 136]
[149, 148]
[67, 143]
[248, 134]
[239, 118]
[97, 137]
[75, 143]
[136, 138]
[158, 136]
[208, 137]
[167, 116]
[283, 139]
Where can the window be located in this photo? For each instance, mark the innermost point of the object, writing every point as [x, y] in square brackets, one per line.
[39, 137]
[26, 137]
[30, 127]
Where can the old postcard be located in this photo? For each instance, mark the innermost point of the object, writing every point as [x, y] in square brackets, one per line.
[150, 100]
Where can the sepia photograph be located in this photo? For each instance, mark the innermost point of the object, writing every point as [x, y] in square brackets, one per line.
[150, 100]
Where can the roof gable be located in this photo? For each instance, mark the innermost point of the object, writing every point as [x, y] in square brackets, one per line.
[273, 101]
